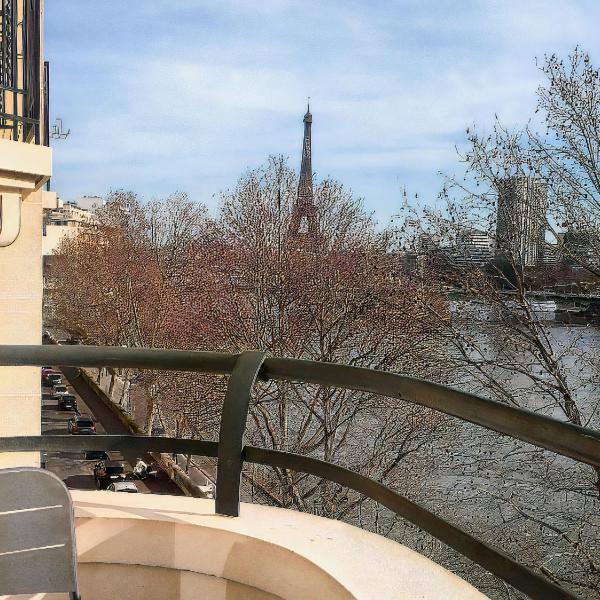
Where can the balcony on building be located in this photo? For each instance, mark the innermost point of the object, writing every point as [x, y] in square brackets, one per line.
[172, 547]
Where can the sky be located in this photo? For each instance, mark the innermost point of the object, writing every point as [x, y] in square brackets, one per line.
[186, 95]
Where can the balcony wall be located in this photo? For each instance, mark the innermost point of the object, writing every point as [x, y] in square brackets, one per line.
[162, 547]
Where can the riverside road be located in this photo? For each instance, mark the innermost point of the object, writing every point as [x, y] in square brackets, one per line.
[71, 467]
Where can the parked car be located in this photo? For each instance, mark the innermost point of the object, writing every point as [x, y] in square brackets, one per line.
[67, 402]
[45, 372]
[60, 390]
[123, 486]
[81, 425]
[96, 455]
[53, 378]
[107, 472]
[70, 341]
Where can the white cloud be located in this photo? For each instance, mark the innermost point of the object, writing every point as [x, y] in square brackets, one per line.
[216, 87]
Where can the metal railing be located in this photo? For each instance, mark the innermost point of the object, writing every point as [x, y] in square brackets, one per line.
[20, 67]
[244, 369]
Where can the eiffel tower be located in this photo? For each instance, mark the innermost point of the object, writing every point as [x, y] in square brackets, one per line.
[303, 223]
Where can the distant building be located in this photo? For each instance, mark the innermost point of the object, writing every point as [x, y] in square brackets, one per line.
[62, 220]
[428, 243]
[303, 223]
[521, 220]
[552, 255]
[407, 261]
[474, 248]
[581, 248]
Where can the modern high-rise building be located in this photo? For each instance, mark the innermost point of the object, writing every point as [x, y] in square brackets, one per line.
[521, 220]
[25, 166]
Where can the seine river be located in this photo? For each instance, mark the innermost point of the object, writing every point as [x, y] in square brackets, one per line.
[520, 499]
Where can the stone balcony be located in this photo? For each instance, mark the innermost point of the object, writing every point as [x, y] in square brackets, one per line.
[150, 547]
[155, 546]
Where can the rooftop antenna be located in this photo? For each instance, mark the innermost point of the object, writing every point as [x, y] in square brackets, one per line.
[58, 133]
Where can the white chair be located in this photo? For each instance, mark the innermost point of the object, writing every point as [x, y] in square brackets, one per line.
[37, 540]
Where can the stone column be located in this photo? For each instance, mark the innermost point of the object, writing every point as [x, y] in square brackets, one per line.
[24, 168]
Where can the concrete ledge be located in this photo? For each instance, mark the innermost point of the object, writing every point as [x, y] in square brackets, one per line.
[280, 552]
[125, 420]
[24, 166]
[50, 200]
[178, 476]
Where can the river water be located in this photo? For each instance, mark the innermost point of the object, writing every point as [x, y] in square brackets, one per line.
[540, 508]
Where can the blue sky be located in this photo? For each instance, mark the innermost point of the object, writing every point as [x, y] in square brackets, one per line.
[187, 94]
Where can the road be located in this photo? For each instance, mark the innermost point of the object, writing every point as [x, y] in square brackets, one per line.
[71, 467]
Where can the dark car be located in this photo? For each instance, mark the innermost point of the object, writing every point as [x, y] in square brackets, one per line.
[71, 341]
[107, 472]
[81, 425]
[96, 455]
[66, 402]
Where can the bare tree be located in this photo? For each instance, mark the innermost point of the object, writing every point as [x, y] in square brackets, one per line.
[162, 275]
[126, 279]
[568, 154]
[502, 343]
[336, 297]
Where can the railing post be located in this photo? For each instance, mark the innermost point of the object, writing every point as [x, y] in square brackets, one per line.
[231, 436]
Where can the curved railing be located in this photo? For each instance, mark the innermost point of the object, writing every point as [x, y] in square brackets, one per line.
[568, 440]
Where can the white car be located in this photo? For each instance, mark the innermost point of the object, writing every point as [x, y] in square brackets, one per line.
[60, 390]
[127, 487]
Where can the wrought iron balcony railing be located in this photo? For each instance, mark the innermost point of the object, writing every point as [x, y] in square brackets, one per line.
[21, 92]
[244, 369]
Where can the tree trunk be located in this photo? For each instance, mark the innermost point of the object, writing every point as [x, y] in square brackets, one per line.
[111, 387]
